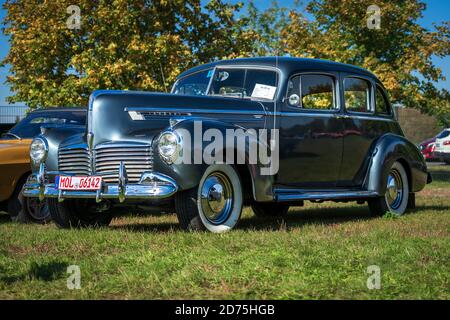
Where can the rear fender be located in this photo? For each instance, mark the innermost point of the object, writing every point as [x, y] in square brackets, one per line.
[388, 149]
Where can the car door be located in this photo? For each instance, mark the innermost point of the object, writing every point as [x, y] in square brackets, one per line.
[310, 132]
[368, 116]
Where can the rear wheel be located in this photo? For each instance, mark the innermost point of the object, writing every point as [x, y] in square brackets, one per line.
[79, 213]
[215, 205]
[396, 197]
[269, 209]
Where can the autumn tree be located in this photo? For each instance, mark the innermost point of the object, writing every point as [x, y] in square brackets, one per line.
[267, 26]
[399, 52]
[118, 44]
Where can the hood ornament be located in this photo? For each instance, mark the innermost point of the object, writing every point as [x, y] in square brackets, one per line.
[90, 141]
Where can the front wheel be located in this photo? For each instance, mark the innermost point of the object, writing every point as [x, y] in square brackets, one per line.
[78, 214]
[215, 205]
[395, 200]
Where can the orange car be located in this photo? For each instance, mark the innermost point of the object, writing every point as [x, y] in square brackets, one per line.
[15, 160]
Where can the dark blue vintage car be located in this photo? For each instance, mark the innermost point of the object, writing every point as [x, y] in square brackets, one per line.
[265, 132]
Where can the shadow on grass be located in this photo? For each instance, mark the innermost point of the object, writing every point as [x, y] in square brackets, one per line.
[419, 209]
[48, 271]
[4, 217]
[147, 227]
[440, 176]
[298, 217]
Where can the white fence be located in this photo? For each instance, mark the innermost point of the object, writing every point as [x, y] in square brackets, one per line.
[12, 114]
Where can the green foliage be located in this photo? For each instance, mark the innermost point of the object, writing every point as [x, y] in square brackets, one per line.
[139, 45]
[267, 27]
[400, 52]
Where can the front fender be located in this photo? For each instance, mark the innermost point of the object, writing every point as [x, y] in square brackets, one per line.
[54, 138]
[189, 172]
[388, 149]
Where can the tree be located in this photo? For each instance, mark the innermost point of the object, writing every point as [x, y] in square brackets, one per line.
[400, 52]
[121, 44]
[266, 27]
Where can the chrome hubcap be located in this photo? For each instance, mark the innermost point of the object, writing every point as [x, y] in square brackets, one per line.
[394, 190]
[216, 198]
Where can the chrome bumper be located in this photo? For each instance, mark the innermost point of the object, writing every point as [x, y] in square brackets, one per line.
[152, 185]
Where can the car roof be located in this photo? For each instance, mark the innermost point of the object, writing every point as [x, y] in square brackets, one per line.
[285, 64]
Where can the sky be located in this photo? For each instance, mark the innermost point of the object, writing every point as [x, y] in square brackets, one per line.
[436, 12]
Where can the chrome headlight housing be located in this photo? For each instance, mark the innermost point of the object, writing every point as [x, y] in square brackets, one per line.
[169, 145]
[38, 150]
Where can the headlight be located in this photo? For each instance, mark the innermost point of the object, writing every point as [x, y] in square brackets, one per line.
[169, 146]
[38, 150]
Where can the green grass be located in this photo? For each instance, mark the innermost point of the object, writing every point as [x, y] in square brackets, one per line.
[318, 251]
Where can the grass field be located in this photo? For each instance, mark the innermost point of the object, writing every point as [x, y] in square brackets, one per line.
[318, 251]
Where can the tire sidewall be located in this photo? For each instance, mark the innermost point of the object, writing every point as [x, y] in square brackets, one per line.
[235, 214]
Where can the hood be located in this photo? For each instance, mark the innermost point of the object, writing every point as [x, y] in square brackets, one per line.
[140, 116]
[14, 151]
[4, 144]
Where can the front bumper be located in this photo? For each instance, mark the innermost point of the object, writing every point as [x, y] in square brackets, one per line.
[152, 185]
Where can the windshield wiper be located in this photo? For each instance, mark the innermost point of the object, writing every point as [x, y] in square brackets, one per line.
[13, 135]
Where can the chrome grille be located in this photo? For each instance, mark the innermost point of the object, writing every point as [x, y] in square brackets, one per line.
[74, 160]
[137, 158]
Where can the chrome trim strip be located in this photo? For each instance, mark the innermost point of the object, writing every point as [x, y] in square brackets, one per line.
[285, 195]
[207, 111]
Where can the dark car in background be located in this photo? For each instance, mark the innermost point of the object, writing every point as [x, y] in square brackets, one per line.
[15, 160]
[332, 124]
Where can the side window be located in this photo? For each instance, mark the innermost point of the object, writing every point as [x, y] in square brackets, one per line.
[311, 91]
[261, 83]
[357, 95]
[194, 84]
[382, 106]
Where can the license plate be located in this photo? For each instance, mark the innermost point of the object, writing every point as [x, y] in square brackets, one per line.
[78, 183]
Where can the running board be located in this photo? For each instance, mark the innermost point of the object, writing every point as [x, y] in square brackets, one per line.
[284, 195]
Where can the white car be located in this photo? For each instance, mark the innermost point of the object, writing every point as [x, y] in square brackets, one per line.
[442, 146]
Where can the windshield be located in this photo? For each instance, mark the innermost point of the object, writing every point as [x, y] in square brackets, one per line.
[31, 125]
[230, 82]
[443, 134]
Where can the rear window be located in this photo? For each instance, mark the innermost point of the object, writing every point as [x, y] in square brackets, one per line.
[381, 103]
[443, 134]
